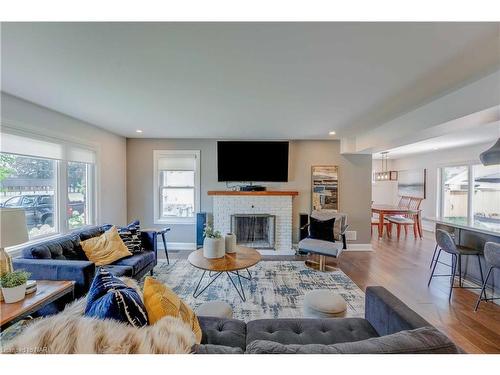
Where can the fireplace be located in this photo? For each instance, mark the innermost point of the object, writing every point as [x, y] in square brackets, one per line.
[254, 230]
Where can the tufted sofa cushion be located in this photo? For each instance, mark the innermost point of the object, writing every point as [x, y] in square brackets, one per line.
[64, 248]
[310, 331]
[425, 340]
[87, 233]
[225, 332]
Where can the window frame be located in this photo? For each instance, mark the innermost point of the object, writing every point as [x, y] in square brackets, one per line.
[61, 187]
[470, 196]
[158, 187]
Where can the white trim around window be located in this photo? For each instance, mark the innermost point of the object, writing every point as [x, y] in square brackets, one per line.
[158, 155]
[62, 151]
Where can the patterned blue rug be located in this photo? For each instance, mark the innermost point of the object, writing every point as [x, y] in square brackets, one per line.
[276, 289]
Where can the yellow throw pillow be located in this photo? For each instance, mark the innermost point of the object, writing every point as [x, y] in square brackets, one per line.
[106, 248]
[161, 301]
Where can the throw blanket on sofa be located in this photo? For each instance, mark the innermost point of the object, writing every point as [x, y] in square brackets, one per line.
[69, 332]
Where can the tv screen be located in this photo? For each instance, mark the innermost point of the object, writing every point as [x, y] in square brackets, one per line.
[252, 161]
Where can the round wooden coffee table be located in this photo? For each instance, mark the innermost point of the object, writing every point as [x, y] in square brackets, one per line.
[242, 259]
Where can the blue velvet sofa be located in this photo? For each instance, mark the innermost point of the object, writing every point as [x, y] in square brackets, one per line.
[64, 259]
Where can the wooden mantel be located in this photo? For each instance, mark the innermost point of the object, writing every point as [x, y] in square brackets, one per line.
[253, 193]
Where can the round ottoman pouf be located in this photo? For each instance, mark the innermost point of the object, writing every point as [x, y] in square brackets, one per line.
[324, 303]
[217, 309]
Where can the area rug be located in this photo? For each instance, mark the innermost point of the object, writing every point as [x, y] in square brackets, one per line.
[276, 289]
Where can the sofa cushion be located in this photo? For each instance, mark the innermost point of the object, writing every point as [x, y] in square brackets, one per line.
[110, 298]
[40, 251]
[72, 250]
[426, 340]
[226, 332]
[216, 349]
[90, 232]
[310, 331]
[137, 261]
[49, 250]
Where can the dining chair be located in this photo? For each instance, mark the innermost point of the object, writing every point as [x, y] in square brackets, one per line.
[412, 218]
[404, 202]
[387, 225]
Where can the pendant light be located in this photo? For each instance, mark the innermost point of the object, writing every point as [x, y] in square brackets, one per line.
[385, 175]
[492, 155]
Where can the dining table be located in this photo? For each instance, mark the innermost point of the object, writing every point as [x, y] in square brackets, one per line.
[384, 210]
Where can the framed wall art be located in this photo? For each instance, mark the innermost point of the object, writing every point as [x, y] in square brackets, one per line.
[411, 183]
[324, 187]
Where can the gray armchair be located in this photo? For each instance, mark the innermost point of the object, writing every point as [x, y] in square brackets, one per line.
[325, 248]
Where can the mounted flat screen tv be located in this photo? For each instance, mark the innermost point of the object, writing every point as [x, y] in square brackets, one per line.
[248, 161]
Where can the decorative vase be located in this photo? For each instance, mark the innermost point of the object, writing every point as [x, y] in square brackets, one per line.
[12, 295]
[230, 240]
[213, 247]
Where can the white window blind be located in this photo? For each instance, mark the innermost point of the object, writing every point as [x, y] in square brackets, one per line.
[80, 155]
[14, 144]
[27, 146]
[177, 163]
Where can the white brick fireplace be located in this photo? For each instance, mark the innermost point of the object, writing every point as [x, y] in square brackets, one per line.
[277, 204]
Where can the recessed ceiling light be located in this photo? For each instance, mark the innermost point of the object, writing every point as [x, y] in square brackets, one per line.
[138, 131]
[436, 148]
[332, 133]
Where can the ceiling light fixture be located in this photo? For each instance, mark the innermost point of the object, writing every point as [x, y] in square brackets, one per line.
[385, 175]
[332, 133]
[138, 131]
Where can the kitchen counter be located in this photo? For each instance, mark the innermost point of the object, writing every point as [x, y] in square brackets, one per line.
[463, 224]
[472, 236]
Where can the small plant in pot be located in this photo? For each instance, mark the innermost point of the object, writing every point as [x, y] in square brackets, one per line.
[213, 244]
[13, 285]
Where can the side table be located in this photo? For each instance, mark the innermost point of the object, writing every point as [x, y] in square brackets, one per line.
[47, 291]
[162, 232]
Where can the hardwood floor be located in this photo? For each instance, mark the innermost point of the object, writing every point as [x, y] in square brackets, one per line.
[403, 268]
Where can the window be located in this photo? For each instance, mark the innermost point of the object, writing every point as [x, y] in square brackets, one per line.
[34, 176]
[177, 186]
[455, 193]
[486, 197]
[470, 194]
[78, 192]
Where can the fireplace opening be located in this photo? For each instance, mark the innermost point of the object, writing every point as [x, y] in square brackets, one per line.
[254, 230]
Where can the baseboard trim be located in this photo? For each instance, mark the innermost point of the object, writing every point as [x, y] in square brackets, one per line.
[178, 245]
[359, 247]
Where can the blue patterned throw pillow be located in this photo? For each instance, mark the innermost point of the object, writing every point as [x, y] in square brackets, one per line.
[110, 298]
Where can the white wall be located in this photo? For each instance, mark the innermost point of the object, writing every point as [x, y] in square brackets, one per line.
[354, 181]
[431, 161]
[111, 149]
[384, 192]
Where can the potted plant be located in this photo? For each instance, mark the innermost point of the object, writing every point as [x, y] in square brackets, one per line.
[13, 285]
[213, 244]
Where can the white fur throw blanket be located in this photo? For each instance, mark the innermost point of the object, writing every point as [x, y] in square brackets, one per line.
[69, 332]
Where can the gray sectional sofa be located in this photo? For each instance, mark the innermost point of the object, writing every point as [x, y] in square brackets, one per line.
[389, 326]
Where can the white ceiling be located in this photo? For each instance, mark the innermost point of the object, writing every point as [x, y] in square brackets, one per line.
[472, 136]
[241, 80]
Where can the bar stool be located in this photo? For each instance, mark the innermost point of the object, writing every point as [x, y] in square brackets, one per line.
[447, 244]
[492, 257]
[452, 234]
